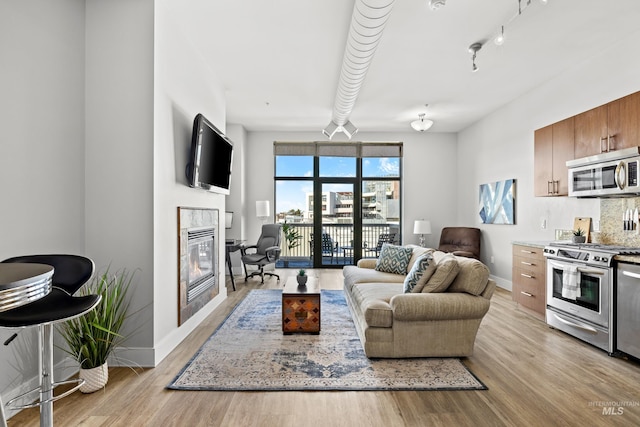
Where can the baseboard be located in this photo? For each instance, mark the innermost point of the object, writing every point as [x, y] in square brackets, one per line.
[502, 283]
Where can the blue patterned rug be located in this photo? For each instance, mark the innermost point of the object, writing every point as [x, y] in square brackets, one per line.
[249, 352]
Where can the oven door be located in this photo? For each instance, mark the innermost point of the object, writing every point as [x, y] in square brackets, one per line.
[592, 302]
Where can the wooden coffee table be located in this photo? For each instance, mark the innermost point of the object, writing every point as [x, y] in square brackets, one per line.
[301, 307]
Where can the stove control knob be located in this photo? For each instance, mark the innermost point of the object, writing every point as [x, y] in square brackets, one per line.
[604, 259]
[596, 258]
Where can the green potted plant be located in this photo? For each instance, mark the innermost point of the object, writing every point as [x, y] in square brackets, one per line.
[578, 236]
[292, 236]
[93, 337]
[302, 277]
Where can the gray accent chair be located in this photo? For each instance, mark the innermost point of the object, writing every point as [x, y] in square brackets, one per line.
[265, 252]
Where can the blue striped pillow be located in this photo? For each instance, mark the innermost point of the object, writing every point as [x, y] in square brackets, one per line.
[420, 273]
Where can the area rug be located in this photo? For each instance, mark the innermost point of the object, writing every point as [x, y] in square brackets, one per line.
[248, 352]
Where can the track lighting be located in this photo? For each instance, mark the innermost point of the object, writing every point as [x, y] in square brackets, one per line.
[499, 39]
[473, 49]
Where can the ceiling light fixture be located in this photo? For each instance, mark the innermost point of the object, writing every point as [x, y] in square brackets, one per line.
[499, 39]
[473, 49]
[421, 124]
[436, 4]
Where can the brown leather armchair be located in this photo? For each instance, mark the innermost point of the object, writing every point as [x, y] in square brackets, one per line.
[461, 241]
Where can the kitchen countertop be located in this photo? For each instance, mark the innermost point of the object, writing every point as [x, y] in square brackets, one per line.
[535, 244]
[634, 259]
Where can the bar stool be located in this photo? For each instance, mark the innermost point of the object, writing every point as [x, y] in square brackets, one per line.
[70, 272]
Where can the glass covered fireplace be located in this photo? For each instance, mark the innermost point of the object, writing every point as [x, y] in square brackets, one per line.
[197, 262]
[200, 261]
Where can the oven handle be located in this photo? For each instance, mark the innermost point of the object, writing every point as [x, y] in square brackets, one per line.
[576, 325]
[583, 270]
[630, 274]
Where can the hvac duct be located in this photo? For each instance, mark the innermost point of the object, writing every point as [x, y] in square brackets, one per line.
[367, 24]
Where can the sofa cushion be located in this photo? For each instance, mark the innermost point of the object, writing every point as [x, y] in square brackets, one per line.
[420, 273]
[353, 274]
[372, 299]
[418, 251]
[394, 259]
[472, 278]
[447, 269]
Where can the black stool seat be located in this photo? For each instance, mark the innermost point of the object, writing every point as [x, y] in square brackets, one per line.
[54, 307]
[70, 271]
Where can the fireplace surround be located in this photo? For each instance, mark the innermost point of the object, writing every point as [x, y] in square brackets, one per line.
[197, 260]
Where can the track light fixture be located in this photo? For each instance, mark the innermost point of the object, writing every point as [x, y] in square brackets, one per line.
[499, 39]
[473, 49]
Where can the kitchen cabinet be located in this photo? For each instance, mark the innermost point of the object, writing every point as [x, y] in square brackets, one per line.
[528, 280]
[553, 146]
[610, 127]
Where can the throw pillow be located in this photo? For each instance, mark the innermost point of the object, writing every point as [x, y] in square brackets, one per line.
[422, 270]
[393, 259]
[446, 271]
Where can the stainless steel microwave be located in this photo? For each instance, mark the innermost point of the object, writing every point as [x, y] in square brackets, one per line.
[611, 174]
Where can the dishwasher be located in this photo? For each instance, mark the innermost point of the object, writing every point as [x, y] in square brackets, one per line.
[628, 309]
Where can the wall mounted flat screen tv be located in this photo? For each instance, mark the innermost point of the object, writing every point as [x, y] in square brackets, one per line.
[211, 157]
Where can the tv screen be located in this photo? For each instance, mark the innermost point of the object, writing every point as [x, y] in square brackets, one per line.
[211, 157]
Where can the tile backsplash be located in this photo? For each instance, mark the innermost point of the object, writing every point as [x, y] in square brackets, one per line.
[612, 230]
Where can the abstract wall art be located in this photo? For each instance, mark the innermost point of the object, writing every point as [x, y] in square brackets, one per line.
[497, 201]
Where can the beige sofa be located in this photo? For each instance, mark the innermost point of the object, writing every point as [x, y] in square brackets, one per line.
[394, 324]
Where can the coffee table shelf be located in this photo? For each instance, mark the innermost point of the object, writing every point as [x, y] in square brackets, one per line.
[301, 307]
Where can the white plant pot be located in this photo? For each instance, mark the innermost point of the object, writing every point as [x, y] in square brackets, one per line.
[302, 280]
[94, 378]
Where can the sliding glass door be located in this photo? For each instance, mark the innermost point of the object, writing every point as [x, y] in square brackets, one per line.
[336, 206]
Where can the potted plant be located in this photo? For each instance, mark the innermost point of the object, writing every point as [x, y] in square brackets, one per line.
[578, 236]
[292, 237]
[93, 337]
[302, 277]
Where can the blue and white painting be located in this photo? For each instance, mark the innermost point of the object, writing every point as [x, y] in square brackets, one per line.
[497, 202]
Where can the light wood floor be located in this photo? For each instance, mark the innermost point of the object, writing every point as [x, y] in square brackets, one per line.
[536, 376]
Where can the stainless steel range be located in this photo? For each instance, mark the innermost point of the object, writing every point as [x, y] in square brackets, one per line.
[580, 290]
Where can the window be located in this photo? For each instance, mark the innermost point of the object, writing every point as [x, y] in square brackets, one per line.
[359, 189]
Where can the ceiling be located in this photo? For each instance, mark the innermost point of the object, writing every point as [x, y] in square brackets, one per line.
[280, 61]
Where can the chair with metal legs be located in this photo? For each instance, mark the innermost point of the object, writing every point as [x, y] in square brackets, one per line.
[51, 302]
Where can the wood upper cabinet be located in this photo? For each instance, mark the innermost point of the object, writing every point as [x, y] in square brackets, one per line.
[553, 146]
[610, 127]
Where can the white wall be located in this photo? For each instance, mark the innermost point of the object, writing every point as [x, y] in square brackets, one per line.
[119, 150]
[236, 200]
[429, 168]
[41, 151]
[184, 85]
[500, 146]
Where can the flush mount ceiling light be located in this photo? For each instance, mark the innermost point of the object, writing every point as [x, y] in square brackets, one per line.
[436, 4]
[421, 124]
[473, 49]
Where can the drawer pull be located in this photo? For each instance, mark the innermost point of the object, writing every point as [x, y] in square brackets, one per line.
[527, 263]
[526, 293]
[527, 252]
[526, 275]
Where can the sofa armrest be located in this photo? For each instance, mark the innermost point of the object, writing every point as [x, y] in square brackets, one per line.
[438, 306]
[367, 262]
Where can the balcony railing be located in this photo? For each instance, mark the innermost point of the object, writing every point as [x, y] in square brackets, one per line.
[342, 237]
